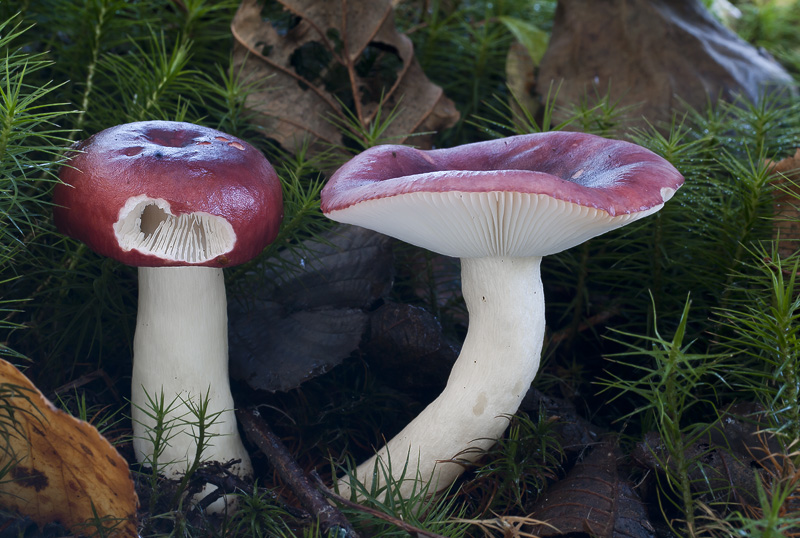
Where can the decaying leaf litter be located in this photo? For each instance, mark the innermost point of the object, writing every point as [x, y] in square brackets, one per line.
[338, 68]
[327, 99]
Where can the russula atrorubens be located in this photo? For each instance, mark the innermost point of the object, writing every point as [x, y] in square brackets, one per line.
[499, 206]
[180, 202]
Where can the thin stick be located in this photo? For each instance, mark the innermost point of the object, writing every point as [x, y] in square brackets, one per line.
[590, 322]
[411, 529]
[284, 464]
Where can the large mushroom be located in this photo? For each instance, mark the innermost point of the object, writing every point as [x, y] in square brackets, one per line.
[499, 206]
[180, 202]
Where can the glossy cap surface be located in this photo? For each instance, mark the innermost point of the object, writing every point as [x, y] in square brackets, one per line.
[161, 193]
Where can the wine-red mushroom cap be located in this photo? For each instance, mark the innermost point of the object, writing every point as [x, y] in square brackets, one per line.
[527, 195]
[161, 193]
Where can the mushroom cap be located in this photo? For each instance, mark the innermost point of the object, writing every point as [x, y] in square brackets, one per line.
[163, 193]
[527, 195]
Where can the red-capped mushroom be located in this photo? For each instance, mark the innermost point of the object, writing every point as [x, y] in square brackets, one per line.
[181, 202]
[500, 206]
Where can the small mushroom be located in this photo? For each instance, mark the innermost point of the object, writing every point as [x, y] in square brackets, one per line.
[499, 206]
[181, 202]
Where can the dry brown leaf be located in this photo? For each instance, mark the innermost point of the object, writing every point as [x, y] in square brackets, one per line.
[61, 468]
[298, 324]
[723, 460]
[344, 52]
[593, 499]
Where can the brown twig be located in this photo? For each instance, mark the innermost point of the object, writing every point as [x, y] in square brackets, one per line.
[219, 475]
[84, 380]
[590, 322]
[284, 464]
[399, 523]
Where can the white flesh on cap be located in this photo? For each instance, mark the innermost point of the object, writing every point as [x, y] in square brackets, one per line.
[497, 364]
[500, 238]
[148, 225]
[181, 349]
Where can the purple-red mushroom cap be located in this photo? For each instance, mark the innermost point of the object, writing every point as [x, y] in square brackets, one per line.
[527, 195]
[162, 193]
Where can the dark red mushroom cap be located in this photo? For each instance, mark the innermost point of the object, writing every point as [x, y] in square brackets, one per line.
[524, 195]
[160, 193]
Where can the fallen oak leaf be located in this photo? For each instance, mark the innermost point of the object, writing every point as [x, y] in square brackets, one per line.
[342, 62]
[60, 468]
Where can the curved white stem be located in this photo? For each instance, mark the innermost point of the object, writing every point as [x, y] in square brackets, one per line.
[497, 364]
[181, 348]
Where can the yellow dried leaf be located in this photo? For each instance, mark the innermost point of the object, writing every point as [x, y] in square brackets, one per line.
[59, 468]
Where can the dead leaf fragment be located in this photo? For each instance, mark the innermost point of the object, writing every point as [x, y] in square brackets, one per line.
[723, 460]
[299, 322]
[594, 500]
[406, 348]
[339, 55]
[786, 204]
[61, 468]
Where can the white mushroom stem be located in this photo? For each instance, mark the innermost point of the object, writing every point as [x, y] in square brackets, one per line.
[181, 348]
[498, 361]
